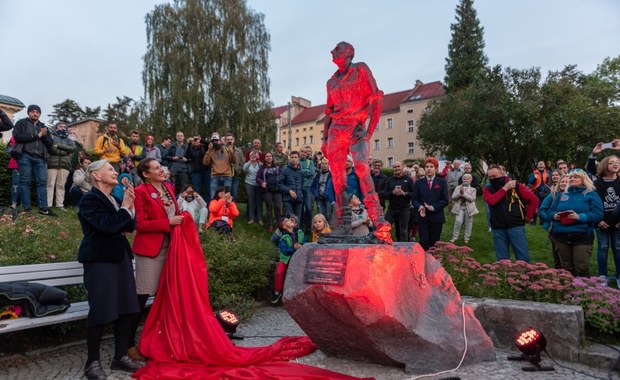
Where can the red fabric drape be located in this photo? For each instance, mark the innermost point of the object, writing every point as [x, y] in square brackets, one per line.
[183, 340]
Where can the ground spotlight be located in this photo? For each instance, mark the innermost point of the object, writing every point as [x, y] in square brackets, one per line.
[229, 322]
[531, 342]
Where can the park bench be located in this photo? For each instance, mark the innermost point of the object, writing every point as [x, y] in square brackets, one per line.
[56, 274]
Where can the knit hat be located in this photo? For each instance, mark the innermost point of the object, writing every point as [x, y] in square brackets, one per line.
[34, 107]
[215, 136]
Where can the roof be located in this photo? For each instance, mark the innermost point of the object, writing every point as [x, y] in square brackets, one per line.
[11, 101]
[309, 114]
[81, 121]
[426, 91]
[278, 111]
[391, 102]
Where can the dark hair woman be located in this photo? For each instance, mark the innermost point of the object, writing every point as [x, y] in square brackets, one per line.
[156, 215]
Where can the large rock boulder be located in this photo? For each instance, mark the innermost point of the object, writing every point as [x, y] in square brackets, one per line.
[392, 305]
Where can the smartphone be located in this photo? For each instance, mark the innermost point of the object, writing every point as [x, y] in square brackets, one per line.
[607, 145]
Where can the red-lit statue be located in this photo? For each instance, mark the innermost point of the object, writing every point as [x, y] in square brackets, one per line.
[353, 96]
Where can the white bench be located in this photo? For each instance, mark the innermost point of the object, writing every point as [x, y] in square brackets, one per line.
[56, 274]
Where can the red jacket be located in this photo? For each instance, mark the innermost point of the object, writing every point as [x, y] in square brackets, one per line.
[219, 208]
[152, 220]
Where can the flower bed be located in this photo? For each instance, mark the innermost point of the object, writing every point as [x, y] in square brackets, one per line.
[531, 282]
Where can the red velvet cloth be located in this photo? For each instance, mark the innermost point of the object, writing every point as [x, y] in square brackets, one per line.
[183, 340]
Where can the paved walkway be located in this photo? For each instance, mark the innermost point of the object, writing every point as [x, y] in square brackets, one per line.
[268, 325]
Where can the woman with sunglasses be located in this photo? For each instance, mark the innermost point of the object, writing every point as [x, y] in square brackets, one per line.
[575, 213]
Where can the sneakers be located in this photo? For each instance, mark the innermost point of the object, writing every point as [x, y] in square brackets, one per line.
[47, 212]
[604, 281]
[250, 222]
[125, 364]
[452, 241]
[94, 371]
[260, 222]
[276, 297]
[13, 212]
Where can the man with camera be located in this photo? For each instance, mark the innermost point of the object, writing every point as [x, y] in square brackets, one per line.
[221, 158]
[201, 174]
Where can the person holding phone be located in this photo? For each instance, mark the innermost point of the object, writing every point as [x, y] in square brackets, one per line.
[575, 215]
[398, 192]
[222, 211]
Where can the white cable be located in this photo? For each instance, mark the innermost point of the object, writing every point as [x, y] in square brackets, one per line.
[462, 357]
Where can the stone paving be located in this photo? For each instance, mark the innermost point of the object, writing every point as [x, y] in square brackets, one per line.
[268, 325]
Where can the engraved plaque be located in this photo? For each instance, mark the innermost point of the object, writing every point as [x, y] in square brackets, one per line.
[326, 266]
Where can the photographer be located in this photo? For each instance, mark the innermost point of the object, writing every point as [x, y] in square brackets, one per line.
[201, 174]
[189, 200]
[221, 158]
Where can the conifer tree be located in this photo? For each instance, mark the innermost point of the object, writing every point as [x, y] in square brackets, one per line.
[466, 59]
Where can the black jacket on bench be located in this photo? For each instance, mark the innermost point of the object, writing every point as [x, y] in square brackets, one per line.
[36, 300]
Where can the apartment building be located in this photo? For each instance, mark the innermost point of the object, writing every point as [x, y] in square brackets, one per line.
[395, 138]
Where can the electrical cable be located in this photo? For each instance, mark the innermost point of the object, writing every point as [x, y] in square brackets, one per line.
[462, 357]
[576, 370]
[617, 357]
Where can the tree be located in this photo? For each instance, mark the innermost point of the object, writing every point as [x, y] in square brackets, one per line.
[513, 117]
[119, 113]
[466, 60]
[69, 111]
[205, 69]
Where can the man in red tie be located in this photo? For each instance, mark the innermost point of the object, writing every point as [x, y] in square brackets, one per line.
[430, 197]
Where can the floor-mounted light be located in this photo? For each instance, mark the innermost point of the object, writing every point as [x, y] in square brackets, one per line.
[531, 342]
[229, 322]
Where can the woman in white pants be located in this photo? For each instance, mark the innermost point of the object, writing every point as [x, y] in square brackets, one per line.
[464, 207]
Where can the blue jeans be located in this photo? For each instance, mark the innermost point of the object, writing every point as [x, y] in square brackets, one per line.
[30, 166]
[515, 236]
[202, 184]
[234, 187]
[607, 238]
[219, 181]
[325, 208]
[14, 186]
[255, 202]
[293, 208]
[306, 223]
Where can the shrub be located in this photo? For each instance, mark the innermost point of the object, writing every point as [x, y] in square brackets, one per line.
[531, 282]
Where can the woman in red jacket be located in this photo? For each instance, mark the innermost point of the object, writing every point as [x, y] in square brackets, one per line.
[156, 213]
[222, 211]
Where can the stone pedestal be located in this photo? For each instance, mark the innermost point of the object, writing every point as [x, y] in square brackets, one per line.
[392, 305]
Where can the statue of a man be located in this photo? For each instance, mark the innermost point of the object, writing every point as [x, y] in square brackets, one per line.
[353, 97]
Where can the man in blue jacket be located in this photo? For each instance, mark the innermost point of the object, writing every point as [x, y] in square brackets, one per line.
[323, 190]
[430, 197]
[306, 165]
[290, 185]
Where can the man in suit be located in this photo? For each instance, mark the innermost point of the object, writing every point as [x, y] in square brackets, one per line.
[398, 191]
[430, 196]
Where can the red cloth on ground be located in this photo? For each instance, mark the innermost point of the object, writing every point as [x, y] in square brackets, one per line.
[183, 340]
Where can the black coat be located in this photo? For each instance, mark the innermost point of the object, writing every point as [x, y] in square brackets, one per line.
[103, 227]
[36, 300]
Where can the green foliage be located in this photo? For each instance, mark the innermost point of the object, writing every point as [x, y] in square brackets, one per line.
[512, 117]
[127, 114]
[466, 59]
[70, 111]
[236, 268]
[205, 69]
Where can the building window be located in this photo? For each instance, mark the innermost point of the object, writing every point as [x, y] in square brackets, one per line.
[297, 141]
[390, 161]
[390, 142]
[311, 139]
[284, 143]
[410, 147]
[390, 123]
[409, 111]
[377, 144]
[410, 126]
[305, 140]
[283, 132]
[311, 128]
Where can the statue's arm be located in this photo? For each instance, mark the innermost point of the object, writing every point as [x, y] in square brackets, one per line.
[375, 102]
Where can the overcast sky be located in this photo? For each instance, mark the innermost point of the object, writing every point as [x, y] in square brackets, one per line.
[91, 51]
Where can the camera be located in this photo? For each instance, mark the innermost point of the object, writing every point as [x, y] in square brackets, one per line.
[216, 145]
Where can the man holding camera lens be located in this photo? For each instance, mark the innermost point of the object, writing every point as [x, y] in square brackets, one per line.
[221, 158]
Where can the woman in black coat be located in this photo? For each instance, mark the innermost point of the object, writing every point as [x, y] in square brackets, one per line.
[108, 271]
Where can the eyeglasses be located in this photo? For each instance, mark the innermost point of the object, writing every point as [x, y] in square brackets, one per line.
[613, 163]
[575, 171]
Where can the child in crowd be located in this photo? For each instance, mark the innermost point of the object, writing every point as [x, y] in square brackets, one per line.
[190, 201]
[222, 211]
[360, 222]
[292, 239]
[464, 207]
[319, 227]
[124, 180]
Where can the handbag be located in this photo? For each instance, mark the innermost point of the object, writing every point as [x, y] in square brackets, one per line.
[16, 150]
